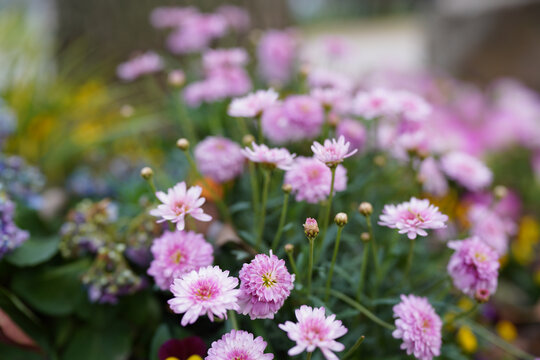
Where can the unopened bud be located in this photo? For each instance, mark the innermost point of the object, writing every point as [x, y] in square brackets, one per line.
[379, 160]
[247, 139]
[500, 192]
[311, 228]
[289, 248]
[176, 78]
[182, 144]
[365, 237]
[365, 208]
[341, 219]
[147, 173]
[287, 188]
[482, 295]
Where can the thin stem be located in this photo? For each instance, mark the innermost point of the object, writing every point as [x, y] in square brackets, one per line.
[262, 213]
[410, 257]
[150, 182]
[310, 267]
[334, 257]
[309, 355]
[185, 120]
[234, 321]
[363, 269]
[373, 247]
[282, 218]
[293, 265]
[354, 347]
[326, 215]
[260, 137]
[254, 191]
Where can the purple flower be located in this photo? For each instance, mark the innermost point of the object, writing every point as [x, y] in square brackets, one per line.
[11, 237]
[219, 158]
[238, 344]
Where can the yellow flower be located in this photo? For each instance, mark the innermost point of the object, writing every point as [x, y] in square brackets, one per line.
[506, 330]
[467, 340]
[528, 237]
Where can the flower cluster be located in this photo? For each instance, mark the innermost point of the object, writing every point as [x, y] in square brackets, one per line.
[219, 158]
[11, 237]
[21, 181]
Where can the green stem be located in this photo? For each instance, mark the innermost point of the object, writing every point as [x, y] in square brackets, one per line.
[363, 269]
[293, 265]
[309, 355]
[262, 213]
[310, 266]
[334, 257]
[373, 247]
[234, 321]
[254, 191]
[282, 218]
[410, 257]
[326, 215]
[354, 347]
[152, 185]
[185, 120]
[260, 138]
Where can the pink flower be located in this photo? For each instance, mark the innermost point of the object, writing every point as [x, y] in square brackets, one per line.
[179, 202]
[178, 253]
[224, 58]
[413, 217]
[492, 228]
[271, 158]
[276, 125]
[466, 170]
[252, 105]
[196, 32]
[310, 179]
[335, 99]
[412, 106]
[170, 16]
[265, 284]
[276, 54]
[432, 178]
[219, 158]
[374, 104]
[146, 63]
[474, 268]
[419, 326]
[237, 18]
[333, 152]
[315, 330]
[208, 291]
[238, 344]
[324, 78]
[353, 131]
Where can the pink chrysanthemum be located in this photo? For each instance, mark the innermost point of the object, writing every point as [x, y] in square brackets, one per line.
[179, 202]
[146, 63]
[238, 345]
[374, 104]
[333, 152]
[413, 217]
[315, 330]
[177, 253]
[474, 268]
[276, 53]
[219, 158]
[253, 104]
[467, 170]
[209, 291]
[265, 283]
[419, 326]
[493, 229]
[353, 131]
[310, 179]
[272, 158]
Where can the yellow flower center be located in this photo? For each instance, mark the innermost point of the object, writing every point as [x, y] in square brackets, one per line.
[480, 257]
[172, 358]
[268, 281]
[176, 257]
[194, 357]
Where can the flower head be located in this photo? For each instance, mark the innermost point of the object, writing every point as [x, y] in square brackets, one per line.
[311, 228]
[270, 157]
[252, 105]
[353, 131]
[177, 253]
[146, 63]
[311, 180]
[419, 326]
[466, 170]
[265, 284]
[219, 158]
[179, 202]
[492, 228]
[413, 217]
[238, 344]
[333, 152]
[474, 268]
[315, 330]
[276, 54]
[208, 291]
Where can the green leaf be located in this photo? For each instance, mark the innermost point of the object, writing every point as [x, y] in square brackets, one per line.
[34, 251]
[53, 291]
[161, 335]
[112, 342]
[15, 353]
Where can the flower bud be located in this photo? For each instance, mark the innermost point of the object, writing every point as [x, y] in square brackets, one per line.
[176, 78]
[379, 160]
[500, 192]
[341, 219]
[482, 295]
[289, 248]
[248, 139]
[287, 188]
[365, 237]
[182, 144]
[311, 228]
[147, 173]
[365, 208]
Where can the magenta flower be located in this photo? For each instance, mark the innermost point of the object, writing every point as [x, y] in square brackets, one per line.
[265, 284]
[413, 217]
[146, 63]
[252, 105]
[315, 330]
[178, 253]
[419, 326]
[466, 170]
[179, 202]
[272, 158]
[474, 268]
[276, 55]
[333, 152]
[353, 131]
[238, 344]
[310, 179]
[219, 158]
[209, 291]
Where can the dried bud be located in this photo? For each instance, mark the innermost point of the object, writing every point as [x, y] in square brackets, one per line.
[365, 208]
[365, 237]
[248, 139]
[500, 192]
[147, 173]
[176, 78]
[289, 248]
[182, 144]
[311, 228]
[341, 219]
[287, 188]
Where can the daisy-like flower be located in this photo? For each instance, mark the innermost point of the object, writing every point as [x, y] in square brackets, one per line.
[265, 283]
[209, 291]
[252, 105]
[466, 170]
[310, 179]
[177, 253]
[179, 202]
[315, 330]
[269, 157]
[419, 326]
[238, 345]
[219, 158]
[474, 268]
[333, 152]
[413, 217]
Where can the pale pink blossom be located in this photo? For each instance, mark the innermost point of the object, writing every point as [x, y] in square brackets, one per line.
[276, 54]
[224, 58]
[252, 105]
[493, 229]
[219, 158]
[146, 63]
[238, 345]
[325, 78]
[432, 178]
[237, 18]
[171, 16]
[353, 131]
[333, 151]
[466, 170]
[196, 32]
[269, 157]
